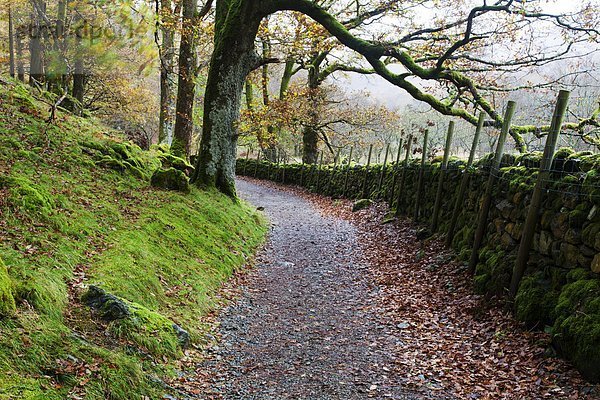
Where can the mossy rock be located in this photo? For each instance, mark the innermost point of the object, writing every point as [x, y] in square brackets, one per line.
[171, 161]
[564, 153]
[492, 275]
[535, 301]
[589, 163]
[530, 160]
[95, 145]
[591, 235]
[148, 329]
[109, 307]
[25, 194]
[112, 163]
[576, 331]
[361, 204]
[171, 179]
[127, 152]
[7, 301]
[581, 154]
[152, 331]
[122, 157]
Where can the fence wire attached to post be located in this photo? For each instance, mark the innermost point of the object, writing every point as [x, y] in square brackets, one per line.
[383, 167]
[246, 163]
[366, 177]
[421, 177]
[458, 206]
[403, 175]
[487, 197]
[440, 190]
[345, 190]
[536, 198]
[319, 166]
[256, 165]
[390, 191]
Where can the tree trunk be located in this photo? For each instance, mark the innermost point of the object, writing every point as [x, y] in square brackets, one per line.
[165, 128]
[11, 43]
[19, 55]
[79, 80]
[184, 122]
[236, 26]
[57, 78]
[36, 63]
[269, 145]
[79, 73]
[310, 149]
[310, 134]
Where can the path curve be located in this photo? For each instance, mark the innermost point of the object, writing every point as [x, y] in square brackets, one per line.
[304, 327]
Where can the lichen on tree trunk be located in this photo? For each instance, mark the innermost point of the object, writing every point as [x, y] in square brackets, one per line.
[234, 56]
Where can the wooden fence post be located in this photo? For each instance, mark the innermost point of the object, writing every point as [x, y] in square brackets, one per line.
[366, 178]
[256, 165]
[333, 172]
[390, 196]
[419, 191]
[344, 192]
[283, 171]
[458, 205]
[319, 166]
[538, 190]
[403, 174]
[487, 197]
[440, 189]
[302, 173]
[269, 169]
[246, 163]
[383, 167]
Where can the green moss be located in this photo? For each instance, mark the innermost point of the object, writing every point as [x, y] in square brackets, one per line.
[579, 155]
[578, 274]
[536, 300]
[564, 153]
[27, 196]
[493, 273]
[149, 330]
[165, 258]
[113, 163]
[530, 160]
[590, 163]
[171, 161]
[576, 331]
[361, 204]
[7, 301]
[171, 179]
[590, 234]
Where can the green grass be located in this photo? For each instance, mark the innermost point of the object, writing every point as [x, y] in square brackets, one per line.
[76, 209]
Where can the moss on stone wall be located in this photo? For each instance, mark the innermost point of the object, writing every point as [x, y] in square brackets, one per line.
[576, 330]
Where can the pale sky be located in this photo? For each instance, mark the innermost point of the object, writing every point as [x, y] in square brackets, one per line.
[382, 91]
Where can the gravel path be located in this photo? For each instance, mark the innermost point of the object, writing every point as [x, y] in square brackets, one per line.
[305, 326]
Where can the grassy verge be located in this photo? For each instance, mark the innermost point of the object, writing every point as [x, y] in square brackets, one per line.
[76, 209]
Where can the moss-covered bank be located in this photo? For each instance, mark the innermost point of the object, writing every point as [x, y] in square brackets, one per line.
[77, 209]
